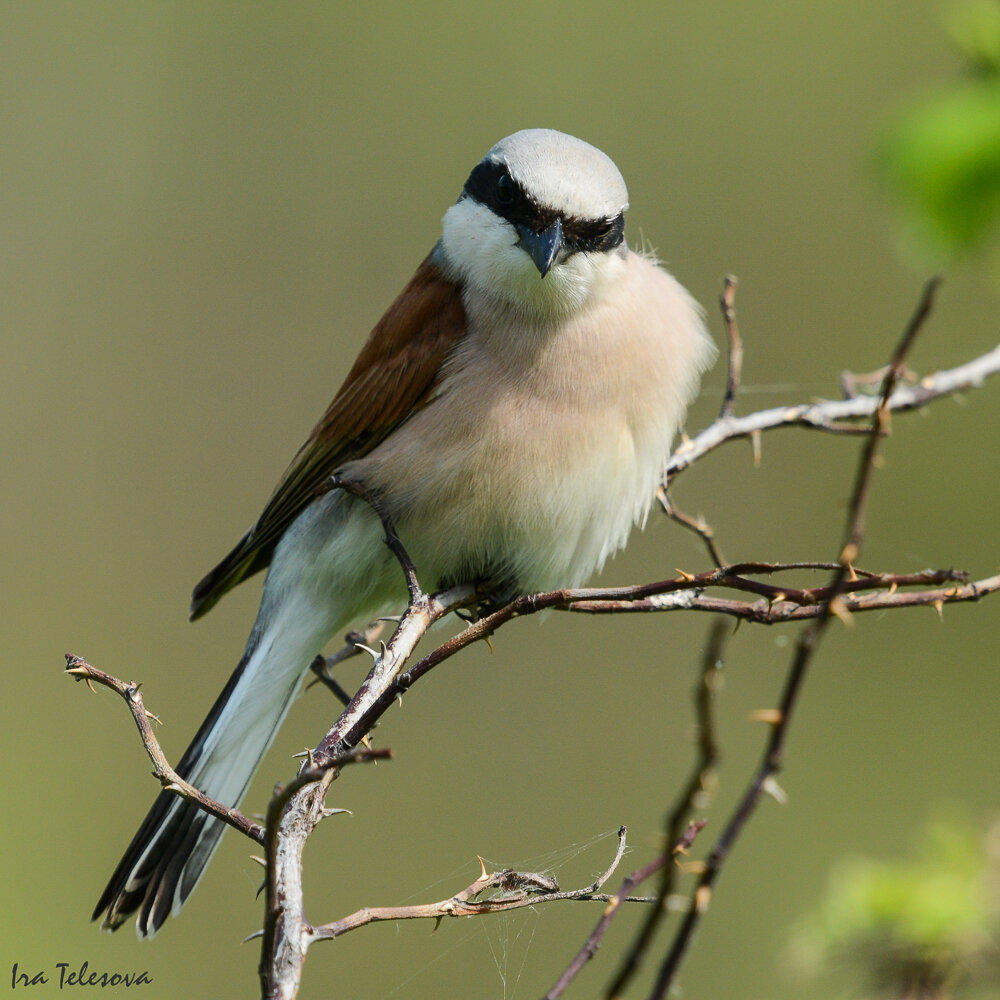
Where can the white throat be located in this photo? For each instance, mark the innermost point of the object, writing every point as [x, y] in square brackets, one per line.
[480, 250]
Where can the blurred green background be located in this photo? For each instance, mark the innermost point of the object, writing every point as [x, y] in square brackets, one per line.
[204, 209]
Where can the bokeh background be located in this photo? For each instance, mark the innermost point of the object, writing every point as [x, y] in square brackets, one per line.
[204, 209]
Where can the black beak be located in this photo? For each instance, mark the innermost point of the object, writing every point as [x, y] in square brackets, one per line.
[543, 247]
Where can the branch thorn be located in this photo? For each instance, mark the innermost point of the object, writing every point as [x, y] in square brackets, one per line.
[849, 554]
[839, 608]
[772, 788]
[772, 716]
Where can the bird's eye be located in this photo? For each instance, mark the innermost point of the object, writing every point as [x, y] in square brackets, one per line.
[505, 190]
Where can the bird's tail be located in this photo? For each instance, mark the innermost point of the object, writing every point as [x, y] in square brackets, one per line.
[168, 854]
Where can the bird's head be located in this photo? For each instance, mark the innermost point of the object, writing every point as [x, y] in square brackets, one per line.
[539, 223]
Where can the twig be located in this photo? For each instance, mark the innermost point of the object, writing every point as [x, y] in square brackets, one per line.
[314, 772]
[518, 889]
[734, 370]
[173, 782]
[688, 594]
[590, 946]
[830, 415]
[727, 302]
[739, 577]
[859, 498]
[698, 525]
[852, 382]
[701, 784]
[168, 777]
[784, 608]
[809, 638]
[355, 643]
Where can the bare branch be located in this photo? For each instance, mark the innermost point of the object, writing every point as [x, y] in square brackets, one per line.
[701, 786]
[590, 946]
[776, 611]
[809, 638]
[687, 593]
[516, 890]
[355, 643]
[830, 415]
[168, 777]
[727, 302]
[698, 525]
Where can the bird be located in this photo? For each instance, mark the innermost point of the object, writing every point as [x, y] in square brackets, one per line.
[512, 411]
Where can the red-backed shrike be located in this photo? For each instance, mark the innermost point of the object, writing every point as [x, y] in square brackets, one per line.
[513, 411]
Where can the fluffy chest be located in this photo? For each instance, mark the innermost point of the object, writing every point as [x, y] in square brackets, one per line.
[543, 446]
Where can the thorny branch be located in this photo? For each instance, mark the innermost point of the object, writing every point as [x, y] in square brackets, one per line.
[287, 934]
[590, 946]
[296, 809]
[173, 782]
[772, 761]
[356, 644]
[687, 593]
[694, 796]
[835, 416]
[516, 890]
[168, 777]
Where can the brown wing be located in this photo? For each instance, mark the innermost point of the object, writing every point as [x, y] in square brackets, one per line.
[395, 373]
